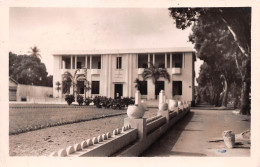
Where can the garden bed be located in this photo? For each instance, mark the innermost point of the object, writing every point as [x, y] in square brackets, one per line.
[24, 118]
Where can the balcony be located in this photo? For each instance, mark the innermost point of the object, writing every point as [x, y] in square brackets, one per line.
[176, 70]
[95, 71]
[140, 71]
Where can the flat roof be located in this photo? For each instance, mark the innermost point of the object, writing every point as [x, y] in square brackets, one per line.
[123, 51]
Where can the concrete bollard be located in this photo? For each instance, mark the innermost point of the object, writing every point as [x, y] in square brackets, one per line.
[99, 138]
[83, 144]
[104, 136]
[114, 132]
[77, 147]
[123, 129]
[62, 153]
[70, 150]
[108, 135]
[89, 142]
[54, 154]
[161, 97]
[94, 140]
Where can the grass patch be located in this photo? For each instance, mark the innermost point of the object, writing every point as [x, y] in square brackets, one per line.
[24, 118]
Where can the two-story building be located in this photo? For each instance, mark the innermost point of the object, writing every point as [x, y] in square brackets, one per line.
[113, 72]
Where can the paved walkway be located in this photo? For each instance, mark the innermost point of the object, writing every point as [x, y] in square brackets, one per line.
[190, 136]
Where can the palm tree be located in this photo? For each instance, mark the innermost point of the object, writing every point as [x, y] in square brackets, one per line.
[138, 83]
[155, 73]
[35, 52]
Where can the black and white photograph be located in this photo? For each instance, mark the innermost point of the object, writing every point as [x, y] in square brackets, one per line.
[167, 81]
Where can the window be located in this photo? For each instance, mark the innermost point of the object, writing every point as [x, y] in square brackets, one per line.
[176, 88]
[143, 88]
[80, 86]
[78, 65]
[96, 62]
[142, 60]
[119, 63]
[177, 60]
[95, 87]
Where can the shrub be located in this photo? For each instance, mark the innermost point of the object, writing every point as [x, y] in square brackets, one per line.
[101, 101]
[69, 99]
[88, 101]
[80, 99]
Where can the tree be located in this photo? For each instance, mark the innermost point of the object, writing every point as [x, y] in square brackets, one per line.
[237, 22]
[28, 70]
[34, 52]
[155, 73]
[138, 83]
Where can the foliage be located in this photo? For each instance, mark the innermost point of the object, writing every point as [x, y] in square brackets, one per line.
[222, 39]
[58, 88]
[69, 99]
[155, 73]
[88, 101]
[28, 70]
[34, 52]
[101, 101]
[80, 99]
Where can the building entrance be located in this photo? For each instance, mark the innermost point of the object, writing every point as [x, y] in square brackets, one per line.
[118, 90]
[159, 85]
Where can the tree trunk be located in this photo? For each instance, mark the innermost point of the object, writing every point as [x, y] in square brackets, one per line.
[225, 92]
[246, 84]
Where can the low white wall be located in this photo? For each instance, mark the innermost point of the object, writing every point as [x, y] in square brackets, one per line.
[31, 92]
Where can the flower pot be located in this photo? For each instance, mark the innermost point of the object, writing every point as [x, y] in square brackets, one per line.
[229, 138]
[163, 106]
[172, 104]
[135, 111]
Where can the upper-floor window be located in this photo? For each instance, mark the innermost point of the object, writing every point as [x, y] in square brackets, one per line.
[118, 62]
[177, 60]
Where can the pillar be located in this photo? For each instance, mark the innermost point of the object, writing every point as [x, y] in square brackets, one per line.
[149, 61]
[153, 58]
[86, 62]
[71, 62]
[170, 60]
[165, 60]
[76, 62]
[90, 63]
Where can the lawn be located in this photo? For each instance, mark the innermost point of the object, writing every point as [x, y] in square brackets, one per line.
[24, 118]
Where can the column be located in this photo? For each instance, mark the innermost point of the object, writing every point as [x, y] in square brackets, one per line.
[76, 62]
[170, 60]
[71, 62]
[153, 59]
[165, 60]
[149, 60]
[86, 62]
[90, 64]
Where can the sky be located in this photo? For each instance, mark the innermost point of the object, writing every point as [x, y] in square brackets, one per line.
[53, 29]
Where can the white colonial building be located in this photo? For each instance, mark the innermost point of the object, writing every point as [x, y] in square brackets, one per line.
[113, 72]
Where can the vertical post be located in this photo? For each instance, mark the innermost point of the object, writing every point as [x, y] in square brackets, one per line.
[71, 62]
[162, 97]
[153, 59]
[76, 62]
[149, 61]
[170, 60]
[63, 65]
[165, 60]
[90, 63]
[137, 97]
[86, 62]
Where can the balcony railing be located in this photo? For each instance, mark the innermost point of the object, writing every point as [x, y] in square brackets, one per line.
[176, 70]
[95, 71]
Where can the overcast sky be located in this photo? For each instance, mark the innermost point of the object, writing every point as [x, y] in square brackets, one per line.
[92, 28]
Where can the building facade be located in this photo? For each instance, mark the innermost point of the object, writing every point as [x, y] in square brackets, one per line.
[112, 73]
